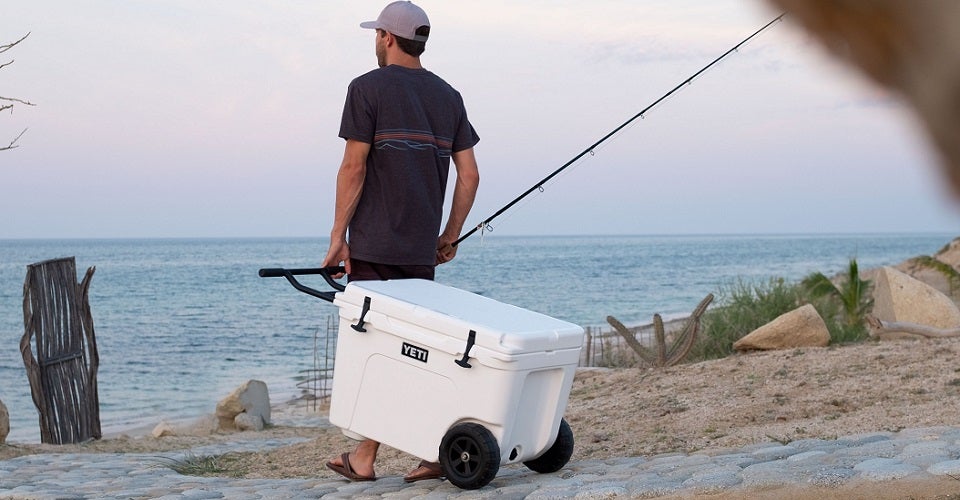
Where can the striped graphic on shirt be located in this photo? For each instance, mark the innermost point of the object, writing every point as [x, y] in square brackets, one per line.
[416, 140]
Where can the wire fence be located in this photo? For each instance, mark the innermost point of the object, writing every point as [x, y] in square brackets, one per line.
[605, 347]
[317, 382]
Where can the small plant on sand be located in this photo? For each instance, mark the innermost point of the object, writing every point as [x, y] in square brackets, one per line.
[847, 299]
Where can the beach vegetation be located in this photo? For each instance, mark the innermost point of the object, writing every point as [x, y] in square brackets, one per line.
[202, 465]
[842, 303]
[744, 307]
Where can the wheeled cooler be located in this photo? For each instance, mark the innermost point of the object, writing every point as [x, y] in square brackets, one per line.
[452, 376]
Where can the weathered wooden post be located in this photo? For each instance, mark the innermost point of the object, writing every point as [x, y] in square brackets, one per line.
[63, 369]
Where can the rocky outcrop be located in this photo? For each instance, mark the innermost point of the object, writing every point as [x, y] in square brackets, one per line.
[802, 327]
[941, 270]
[4, 423]
[252, 400]
[901, 298]
[950, 254]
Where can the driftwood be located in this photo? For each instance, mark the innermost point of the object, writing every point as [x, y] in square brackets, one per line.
[889, 330]
[63, 369]
[680, 345]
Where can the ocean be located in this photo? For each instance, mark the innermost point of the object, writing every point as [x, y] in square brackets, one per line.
[182, 322]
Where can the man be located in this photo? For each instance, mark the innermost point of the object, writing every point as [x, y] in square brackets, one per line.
[402, 125]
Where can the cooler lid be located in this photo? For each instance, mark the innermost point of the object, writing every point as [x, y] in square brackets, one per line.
[500, 327]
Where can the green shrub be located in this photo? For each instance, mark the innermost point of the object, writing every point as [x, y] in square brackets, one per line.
[743, 308]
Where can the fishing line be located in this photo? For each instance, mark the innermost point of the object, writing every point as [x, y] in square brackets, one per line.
[485, 226]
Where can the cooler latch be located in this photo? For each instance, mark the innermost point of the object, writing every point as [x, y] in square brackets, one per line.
[471, 339]
[366, 308]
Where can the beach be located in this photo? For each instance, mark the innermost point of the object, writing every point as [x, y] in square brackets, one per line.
[822, 401]
[182, 322]
[708, 409]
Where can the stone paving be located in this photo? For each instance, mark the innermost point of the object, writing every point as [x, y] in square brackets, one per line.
[908, 454]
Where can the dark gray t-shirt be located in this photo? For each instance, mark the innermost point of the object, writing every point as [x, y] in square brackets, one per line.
[414, 121]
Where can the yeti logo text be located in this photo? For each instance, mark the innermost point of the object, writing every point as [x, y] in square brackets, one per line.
[414, 352]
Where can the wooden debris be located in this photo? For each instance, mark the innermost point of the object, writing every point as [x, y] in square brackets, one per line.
[889, 330]
[63, 369]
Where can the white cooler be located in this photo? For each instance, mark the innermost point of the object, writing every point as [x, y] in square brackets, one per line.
[425, 368]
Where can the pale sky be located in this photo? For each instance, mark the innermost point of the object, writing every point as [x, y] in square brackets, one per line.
[181, 118]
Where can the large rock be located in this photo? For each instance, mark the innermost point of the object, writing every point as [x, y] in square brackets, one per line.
[251, 398]
[202, 426]
[248, 422]
[4, 423]
[924, 274]
[898, 297]
[164, 429]
[802, 327]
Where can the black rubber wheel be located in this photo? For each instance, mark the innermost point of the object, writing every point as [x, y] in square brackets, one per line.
[469, 456]
[557, 455]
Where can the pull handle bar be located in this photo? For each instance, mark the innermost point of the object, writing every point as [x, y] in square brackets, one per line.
[326, 272]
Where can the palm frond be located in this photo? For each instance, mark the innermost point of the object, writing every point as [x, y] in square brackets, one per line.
[818, 285]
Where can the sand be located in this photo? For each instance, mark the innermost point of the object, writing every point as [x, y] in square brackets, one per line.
[709, 406]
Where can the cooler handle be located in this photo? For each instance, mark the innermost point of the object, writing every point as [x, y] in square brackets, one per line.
[323, 271]
[471, 339]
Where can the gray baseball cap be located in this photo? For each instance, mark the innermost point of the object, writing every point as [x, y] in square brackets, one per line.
[402, 19]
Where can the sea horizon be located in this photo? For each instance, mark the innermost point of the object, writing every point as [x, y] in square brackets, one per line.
[492, 234]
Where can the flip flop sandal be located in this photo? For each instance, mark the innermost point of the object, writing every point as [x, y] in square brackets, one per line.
[432, 471]
[346, 470]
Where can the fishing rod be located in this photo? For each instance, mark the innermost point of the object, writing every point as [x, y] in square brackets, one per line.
[592, 147]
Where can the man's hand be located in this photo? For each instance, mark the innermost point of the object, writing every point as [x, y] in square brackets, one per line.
[445, 250]
[339, 252]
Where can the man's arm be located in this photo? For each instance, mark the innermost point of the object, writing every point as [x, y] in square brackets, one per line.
[353, 169]
[464, 192]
